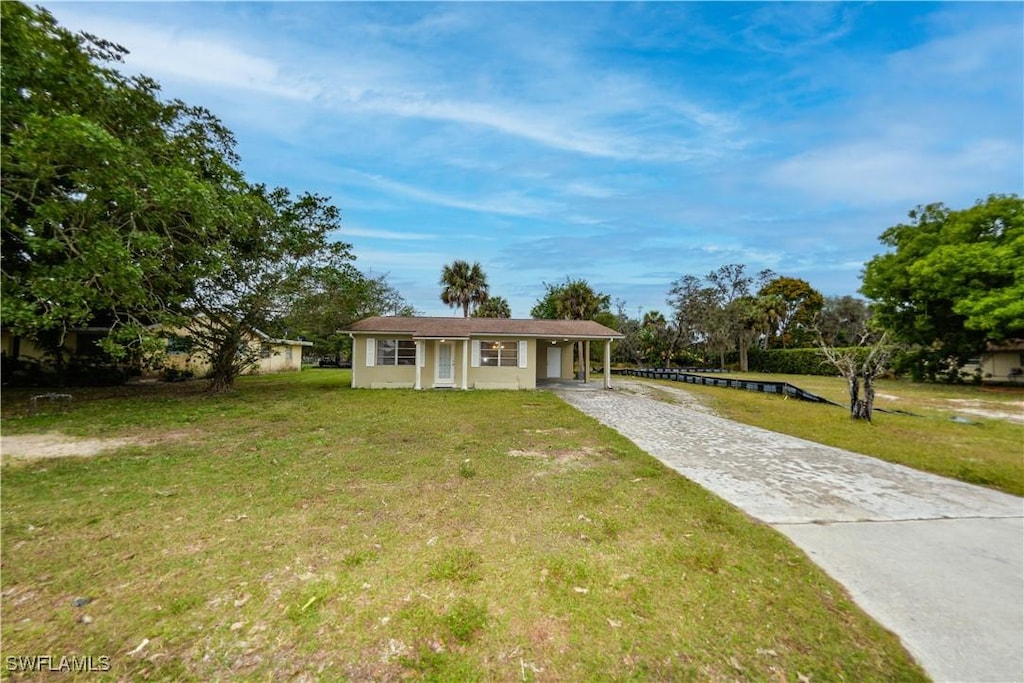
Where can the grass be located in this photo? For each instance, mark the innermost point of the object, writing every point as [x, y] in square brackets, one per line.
[984, 451]
[300, 529]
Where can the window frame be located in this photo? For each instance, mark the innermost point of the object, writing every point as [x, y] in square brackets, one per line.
[401, 354]
[504, 358]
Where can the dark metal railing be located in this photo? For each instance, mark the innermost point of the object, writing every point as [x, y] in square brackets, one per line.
[687, 375]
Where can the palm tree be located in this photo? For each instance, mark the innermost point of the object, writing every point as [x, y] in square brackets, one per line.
[494, 307]
[463, 285]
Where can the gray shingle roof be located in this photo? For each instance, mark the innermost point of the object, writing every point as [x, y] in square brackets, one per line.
[476, 327]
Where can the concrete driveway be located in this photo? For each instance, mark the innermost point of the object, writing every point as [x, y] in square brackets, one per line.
[937, 561]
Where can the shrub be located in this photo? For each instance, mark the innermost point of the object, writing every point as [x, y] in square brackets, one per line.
[795, 361]
[170, 374]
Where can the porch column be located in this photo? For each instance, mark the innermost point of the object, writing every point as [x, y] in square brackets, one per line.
[420, 356]
[586, 361]
[607, 363]
[465, 364]
[352, 377]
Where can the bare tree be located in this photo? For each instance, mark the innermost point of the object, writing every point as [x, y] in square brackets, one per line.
[861, 363]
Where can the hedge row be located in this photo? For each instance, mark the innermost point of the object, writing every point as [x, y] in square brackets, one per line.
[797, 361]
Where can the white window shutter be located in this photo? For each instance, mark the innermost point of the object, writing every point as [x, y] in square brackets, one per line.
[522, 353]
[475, 362]
[371, 352]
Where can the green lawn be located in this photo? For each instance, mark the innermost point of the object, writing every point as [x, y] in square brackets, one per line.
[988, 451]
[298, 527]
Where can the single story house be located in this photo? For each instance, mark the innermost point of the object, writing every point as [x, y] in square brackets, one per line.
[1003, 362]
[78, 342]
[275, 355]
[470, 353]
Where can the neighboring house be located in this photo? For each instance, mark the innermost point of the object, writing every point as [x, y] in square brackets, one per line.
[470, 353]
[275, 355]
[78, 342]
[1003, 362]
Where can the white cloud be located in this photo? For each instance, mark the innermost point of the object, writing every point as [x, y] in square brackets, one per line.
[508, 203]
[349, 231]
[203, 58]
[880, 171]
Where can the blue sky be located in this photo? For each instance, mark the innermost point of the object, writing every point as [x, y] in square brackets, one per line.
[627, 144]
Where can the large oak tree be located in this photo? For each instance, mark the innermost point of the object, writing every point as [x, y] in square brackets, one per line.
[109, 195]
[953, 280]
[122, 210]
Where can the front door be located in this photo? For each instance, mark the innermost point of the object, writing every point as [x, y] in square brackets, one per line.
[445, 364]
[554, 362]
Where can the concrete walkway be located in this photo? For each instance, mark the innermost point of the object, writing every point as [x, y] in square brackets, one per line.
[938, 562]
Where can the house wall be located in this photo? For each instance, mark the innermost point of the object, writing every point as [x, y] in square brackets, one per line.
[404, 376]
[278, 361]
[998, 366]
[508, 378]
[380, 376]
[540, 350]
[27, 348]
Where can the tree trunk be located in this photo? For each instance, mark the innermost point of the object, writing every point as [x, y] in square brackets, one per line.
[860, 409]
[743, 357]
[869, 397]
[223, 369]
[221, 382]
[854, 383]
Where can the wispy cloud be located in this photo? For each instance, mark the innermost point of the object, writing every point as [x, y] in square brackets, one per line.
[349, 231]
[871, 171]
[508, 203]
[209, 59]
[795, 28]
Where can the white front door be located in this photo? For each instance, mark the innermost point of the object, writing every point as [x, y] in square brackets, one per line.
[554, 361]
[445, 364]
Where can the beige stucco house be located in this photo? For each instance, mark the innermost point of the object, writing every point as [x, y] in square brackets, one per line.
[272, 355]
[470, 353]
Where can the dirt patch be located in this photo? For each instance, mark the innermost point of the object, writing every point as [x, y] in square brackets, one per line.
[57, 445]
[1012, 411]
[559, 457]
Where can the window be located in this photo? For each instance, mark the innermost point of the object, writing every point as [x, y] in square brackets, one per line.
[89, 344]
[177, 345]
[499, 354]
[396, 352]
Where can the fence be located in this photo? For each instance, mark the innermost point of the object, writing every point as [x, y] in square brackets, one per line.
[686, 375]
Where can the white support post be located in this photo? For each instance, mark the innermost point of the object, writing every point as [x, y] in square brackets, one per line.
[465, 364]
[607, 363]
[586, 361]
[420, 354]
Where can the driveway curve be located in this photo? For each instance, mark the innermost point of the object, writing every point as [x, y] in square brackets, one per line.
[937, 561]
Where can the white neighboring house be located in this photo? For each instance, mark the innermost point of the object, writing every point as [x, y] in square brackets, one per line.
[1000, 363]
